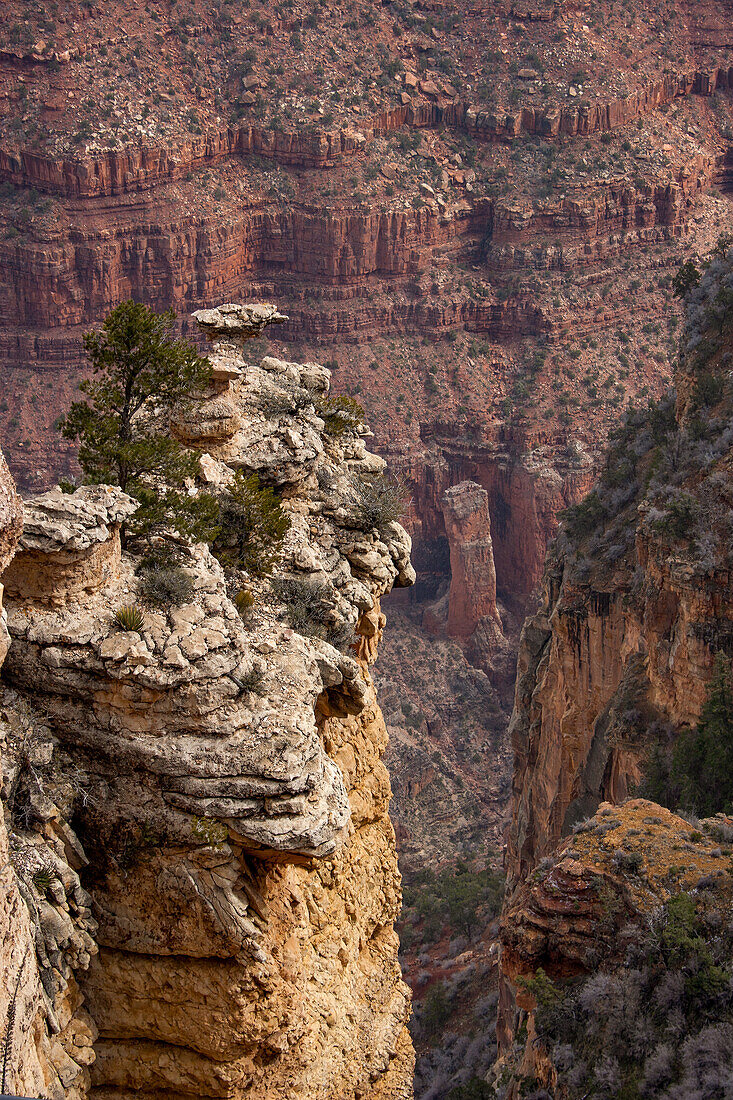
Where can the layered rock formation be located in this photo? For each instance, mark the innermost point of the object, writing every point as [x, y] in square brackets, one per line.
[234, 804]
[472, 596]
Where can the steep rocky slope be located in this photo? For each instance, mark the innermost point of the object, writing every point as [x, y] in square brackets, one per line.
[619, 949]
[227, 778]
[635, 598]
[616, 663]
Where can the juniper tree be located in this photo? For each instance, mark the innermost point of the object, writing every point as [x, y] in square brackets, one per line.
[702, 764]
[141, 372]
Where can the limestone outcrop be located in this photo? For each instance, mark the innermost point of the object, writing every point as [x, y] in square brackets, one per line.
[242, 863]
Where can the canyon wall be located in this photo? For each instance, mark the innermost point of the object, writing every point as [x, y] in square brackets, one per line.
[617, 660]
[229, 789]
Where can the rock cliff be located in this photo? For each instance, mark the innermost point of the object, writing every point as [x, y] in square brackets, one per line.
[231, 797]
[46, 926]
[616, 663]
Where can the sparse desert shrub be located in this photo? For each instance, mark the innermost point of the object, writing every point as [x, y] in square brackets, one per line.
[680, 515]
[252, 680]
[165, 587]
[252, 526]
[307, 603]
[130, 617]
[379, 500]
[244, 602]
[340, 414]
[708, 389]
[630, 862]
[653, 1028]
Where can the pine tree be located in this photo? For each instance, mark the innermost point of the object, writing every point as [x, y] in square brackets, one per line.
[141, 372]
[702, 763]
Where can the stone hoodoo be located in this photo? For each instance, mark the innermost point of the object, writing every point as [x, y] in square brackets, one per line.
[234, 803]
[472, 596]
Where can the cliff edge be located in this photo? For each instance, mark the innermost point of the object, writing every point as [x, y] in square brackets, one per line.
[230, 796]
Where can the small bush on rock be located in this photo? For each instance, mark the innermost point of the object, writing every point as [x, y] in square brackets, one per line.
[340, 414]
[244, 602]
[657, 1027]
[252, 680]
[165, 587]
[130, 617]
[252, 526]
[307, 603]
[379, 500]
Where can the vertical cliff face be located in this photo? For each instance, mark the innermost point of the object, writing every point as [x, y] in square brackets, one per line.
[46, 926]
[635, 606]
[233, 803]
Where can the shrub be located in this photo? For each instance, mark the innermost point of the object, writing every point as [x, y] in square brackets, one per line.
[252, 526]
[130, 617]
[340, 414]
[631, 862]
[165, 587]
[583, 518]
[708, 390]
[640, 1030]
[307, 603]
[379, 500]
[702, 760]
[680, 516]
[252, 680]
[244, 602]
[436, 1010]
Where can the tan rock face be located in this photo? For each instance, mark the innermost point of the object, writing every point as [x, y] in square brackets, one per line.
[235, 805]
[316, 1008]
[79, 534]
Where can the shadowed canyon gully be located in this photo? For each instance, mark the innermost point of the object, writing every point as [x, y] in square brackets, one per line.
[229, 799]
